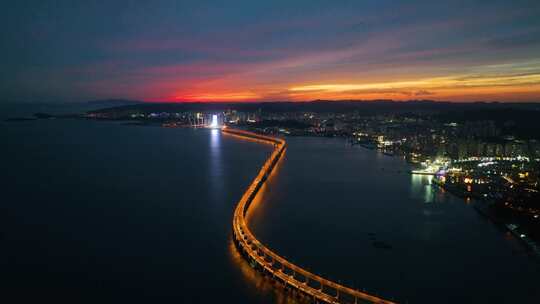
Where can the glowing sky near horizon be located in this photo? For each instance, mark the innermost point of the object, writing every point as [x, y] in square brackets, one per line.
[270, 50]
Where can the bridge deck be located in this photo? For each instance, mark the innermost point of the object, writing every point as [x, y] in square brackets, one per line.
[270, 262]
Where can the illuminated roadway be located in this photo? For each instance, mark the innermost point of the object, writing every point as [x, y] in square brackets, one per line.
[316, 288]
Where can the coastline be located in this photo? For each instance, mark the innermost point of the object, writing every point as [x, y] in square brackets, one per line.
[483, 208]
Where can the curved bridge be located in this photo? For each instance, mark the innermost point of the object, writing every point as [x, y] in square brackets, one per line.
[315, 287]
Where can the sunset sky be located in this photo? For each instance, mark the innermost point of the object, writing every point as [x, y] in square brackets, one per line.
[69, 51]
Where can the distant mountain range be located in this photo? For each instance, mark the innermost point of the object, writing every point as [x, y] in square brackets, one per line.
[519, 118]
[113, 102]
[368, 107]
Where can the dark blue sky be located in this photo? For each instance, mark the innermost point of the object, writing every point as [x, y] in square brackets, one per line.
[270, 50]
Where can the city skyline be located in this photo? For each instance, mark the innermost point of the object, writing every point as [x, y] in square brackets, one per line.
[190, 51]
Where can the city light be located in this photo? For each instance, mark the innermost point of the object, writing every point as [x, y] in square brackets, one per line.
[214, 124]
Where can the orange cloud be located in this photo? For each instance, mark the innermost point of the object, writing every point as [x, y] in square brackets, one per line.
[229, 96]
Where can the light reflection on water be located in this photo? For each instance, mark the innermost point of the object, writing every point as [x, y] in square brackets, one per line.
[257, 206]
[264, 285]
[217, 184]
[421, 185]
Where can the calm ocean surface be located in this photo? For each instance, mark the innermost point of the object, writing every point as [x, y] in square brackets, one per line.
[329, 202]
[101, 211]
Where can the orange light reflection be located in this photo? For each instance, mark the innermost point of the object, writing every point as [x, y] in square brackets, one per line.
[264, 285]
